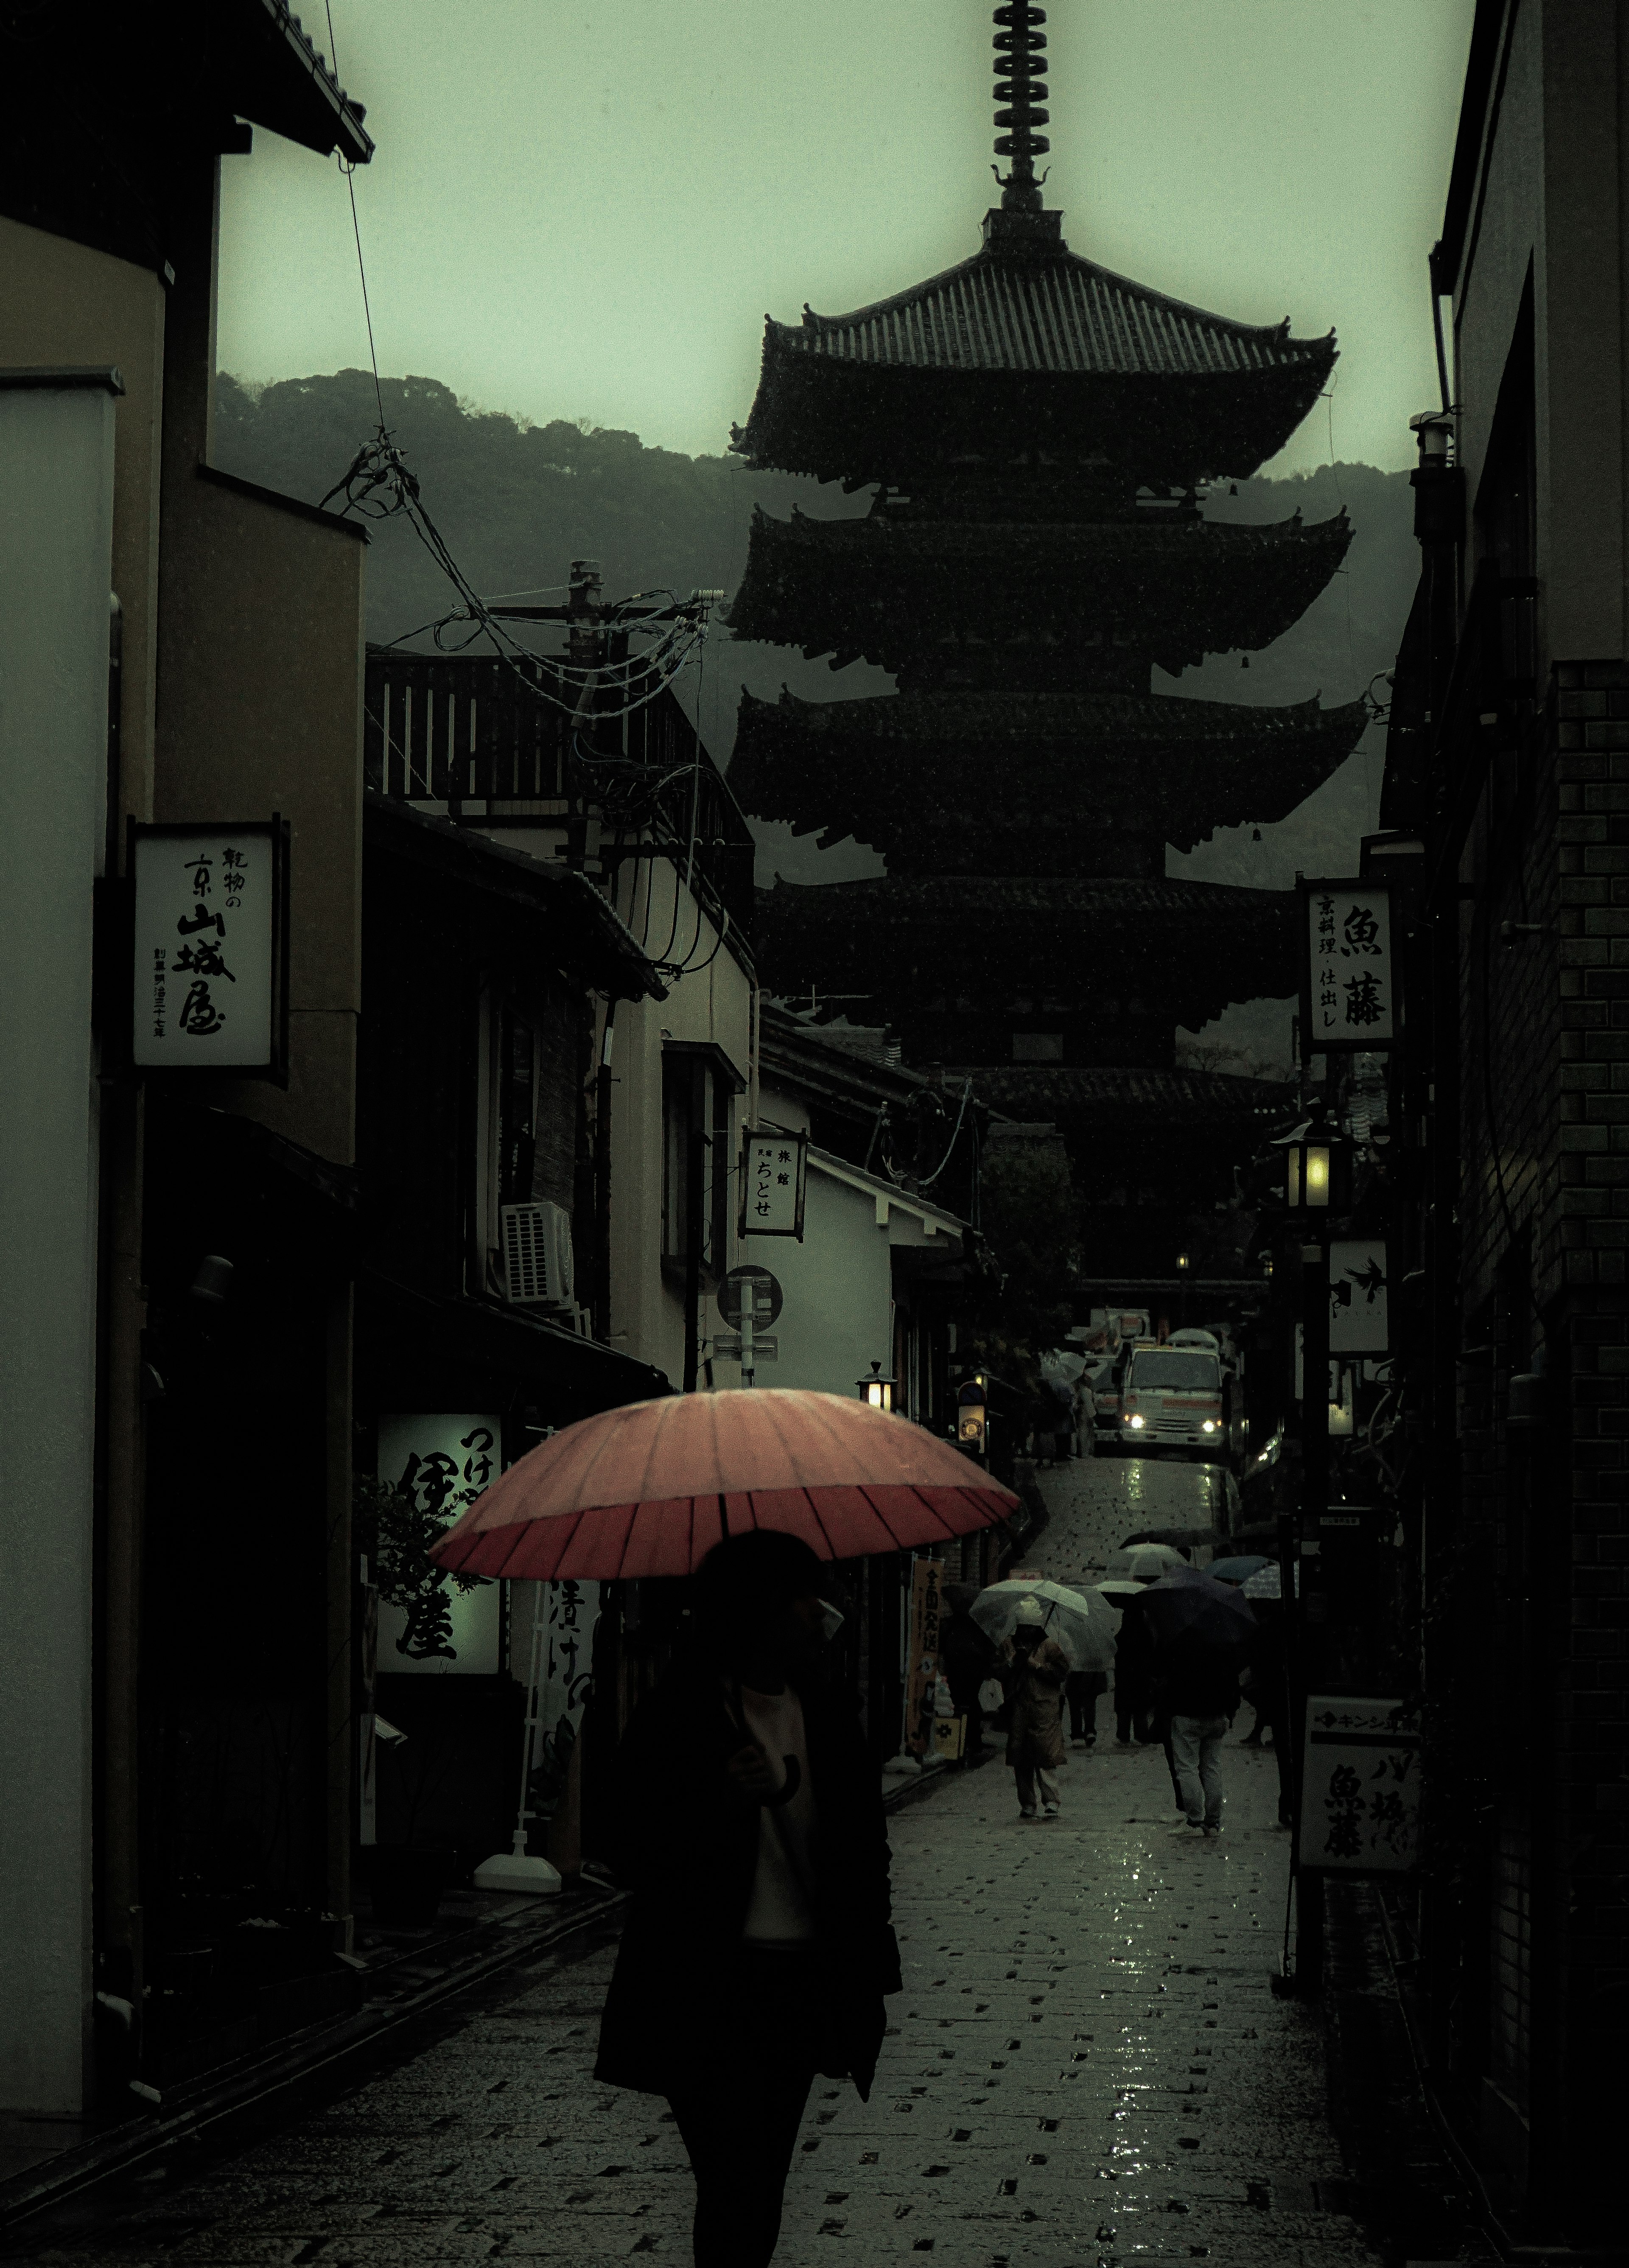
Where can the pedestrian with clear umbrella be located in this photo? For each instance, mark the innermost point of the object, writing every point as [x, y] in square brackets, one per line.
[1034, 1668]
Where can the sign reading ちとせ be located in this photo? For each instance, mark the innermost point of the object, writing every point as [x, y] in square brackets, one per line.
[773, 1169]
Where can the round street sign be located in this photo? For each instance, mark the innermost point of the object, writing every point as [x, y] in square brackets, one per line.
[756, 1285]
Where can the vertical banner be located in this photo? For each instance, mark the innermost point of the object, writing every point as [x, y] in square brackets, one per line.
[1348, 984]
[1360, 1809]
[570, 1612]
[922, 1661]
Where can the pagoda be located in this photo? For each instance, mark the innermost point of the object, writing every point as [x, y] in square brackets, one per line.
[1038, 434]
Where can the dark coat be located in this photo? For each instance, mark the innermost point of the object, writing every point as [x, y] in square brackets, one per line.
[1034, 1687]
[686, 1847]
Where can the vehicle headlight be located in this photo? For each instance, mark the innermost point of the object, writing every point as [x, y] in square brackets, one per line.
[1134, 1421]
[1209, 1426]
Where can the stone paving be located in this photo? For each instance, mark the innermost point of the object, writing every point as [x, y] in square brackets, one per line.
[1086, 2065]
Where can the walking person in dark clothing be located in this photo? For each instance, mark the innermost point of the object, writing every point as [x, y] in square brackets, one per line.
[1083, 1686]
[757, 1947]
[1201, 1696]
[1133, 1670]
[967, 1657]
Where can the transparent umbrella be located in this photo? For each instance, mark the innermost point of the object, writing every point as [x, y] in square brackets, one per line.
[1143, 1563]
[1083, 1623]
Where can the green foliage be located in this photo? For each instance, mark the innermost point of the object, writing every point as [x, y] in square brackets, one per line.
[397, 1536]
[517, 502]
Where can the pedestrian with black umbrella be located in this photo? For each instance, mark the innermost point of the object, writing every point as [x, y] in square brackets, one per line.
[1204, 1633]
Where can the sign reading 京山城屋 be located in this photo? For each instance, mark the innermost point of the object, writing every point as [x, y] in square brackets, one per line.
[1348, 986]
[211, 942]
[772, 1181]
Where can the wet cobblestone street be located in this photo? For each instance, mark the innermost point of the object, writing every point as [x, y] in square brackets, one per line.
[1086, 2065]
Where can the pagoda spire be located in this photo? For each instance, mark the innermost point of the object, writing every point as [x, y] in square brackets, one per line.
[1021, 88]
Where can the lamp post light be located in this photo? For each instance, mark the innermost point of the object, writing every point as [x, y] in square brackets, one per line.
[877, 1389]
[1317, 1185]
[972, 1416]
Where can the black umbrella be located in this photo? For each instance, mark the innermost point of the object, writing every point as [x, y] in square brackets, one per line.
[1188, 1605]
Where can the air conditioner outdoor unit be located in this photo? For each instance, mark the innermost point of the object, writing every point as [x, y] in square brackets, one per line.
[537, 1254]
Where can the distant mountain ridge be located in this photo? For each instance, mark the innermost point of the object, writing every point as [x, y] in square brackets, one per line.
[517, 502]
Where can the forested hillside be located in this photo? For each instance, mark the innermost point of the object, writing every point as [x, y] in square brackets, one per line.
[517, 502]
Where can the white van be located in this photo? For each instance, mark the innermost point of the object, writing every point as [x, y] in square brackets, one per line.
[1171, 1397]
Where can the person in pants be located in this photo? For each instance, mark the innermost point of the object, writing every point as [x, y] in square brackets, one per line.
[1201, 1695]
[747, 1825]
[1133, 1670]
[1083, 1688]
[1034, 1668]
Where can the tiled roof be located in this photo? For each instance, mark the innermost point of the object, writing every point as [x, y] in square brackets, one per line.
[1125, 1099]
[986, 897]
[1062, 315]
[1077, 719]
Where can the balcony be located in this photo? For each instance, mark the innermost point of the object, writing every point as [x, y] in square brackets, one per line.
[466, 735]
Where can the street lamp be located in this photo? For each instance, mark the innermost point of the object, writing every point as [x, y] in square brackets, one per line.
[1317, 1170]
[1181, 1264]
[877, 1390]
[971, 1416]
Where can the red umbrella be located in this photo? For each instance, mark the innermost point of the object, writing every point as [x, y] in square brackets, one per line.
[650, 1488]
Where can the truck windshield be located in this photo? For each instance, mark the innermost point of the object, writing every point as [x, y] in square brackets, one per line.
[1187, 1373]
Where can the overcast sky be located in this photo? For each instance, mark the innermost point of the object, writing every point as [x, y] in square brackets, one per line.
[586, 211]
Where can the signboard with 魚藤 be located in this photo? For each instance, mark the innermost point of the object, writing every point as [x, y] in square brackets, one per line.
[1359, 1806]
[772, 1182]
[437, 1464]
[211, 941]
[1348, 985]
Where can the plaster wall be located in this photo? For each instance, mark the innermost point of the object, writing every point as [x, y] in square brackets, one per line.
[1552, 198]
[57, 475]
[712, 1003]
[62, 304]
[260, 711]
[837, 1318]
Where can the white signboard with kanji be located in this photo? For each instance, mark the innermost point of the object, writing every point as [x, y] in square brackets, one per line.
[1359, 1806]
[441, 1463]
[1348, 979]
[772, 1180]
[209, 938]
[1358, 1277]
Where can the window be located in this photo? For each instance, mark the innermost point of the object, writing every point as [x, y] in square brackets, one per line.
[506, 1126]
[1180, 1373]
[698, 1157]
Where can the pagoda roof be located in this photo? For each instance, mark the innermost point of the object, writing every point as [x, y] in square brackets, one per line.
[953, 782]
[1018, 350]
[1120, 1101]
[1056, 312]
[898, 589]
[1192, 947]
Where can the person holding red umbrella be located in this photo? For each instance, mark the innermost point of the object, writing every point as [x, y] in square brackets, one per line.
[758, 1950]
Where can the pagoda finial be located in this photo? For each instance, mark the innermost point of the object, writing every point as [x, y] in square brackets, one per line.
[1020, 89]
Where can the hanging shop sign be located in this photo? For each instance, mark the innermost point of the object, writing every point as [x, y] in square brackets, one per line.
[440, 1463]
[1348, 984]
[211, 943]
[922, 1665]
[774, 1168]
[1360, 1779]
[1358, 1281]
